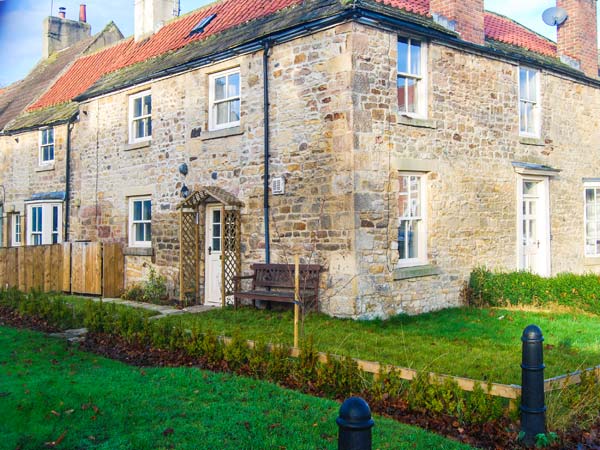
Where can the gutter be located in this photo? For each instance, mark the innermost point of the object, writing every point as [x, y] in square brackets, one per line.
[266, 132]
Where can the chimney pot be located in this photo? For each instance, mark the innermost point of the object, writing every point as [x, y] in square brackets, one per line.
[62, 12]
[82, 13]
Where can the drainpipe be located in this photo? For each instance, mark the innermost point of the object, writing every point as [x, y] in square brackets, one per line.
[267, 47]
[68, 177]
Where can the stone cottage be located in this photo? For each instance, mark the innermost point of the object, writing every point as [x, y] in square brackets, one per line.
[398, 143]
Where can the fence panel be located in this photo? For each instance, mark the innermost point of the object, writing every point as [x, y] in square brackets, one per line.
[113, 270]
[86, 267]
[66, 267]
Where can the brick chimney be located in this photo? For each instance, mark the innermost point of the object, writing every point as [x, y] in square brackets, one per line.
[151, 15]
[577, 36]
[465, 15]
[60, 33]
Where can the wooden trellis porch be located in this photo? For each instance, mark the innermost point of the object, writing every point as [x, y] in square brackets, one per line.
[192, 246]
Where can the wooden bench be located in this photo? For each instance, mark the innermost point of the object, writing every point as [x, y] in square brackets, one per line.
[275, 283]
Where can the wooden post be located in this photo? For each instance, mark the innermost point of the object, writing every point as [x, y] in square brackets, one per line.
[296, 297]
[181, 297]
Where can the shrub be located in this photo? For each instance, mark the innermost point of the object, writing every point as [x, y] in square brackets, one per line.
[153, 290]
[577, 404]
[501, 289]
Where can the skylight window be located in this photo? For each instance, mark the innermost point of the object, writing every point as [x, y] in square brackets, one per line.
[202, 24]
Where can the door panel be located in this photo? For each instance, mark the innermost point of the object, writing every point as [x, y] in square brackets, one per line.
[214, 239]
[534, 229]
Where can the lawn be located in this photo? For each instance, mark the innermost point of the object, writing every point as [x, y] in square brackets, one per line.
[478, 343]
[53, 393]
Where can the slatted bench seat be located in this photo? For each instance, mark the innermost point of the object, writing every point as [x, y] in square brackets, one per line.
[275, 283]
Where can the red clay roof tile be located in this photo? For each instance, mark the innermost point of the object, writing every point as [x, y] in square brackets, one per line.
[230, 13]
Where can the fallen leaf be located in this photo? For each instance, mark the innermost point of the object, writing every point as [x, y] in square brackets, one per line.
[168, 432]
[57, 441]
[69, 411]
[274, 425]
[57, 414]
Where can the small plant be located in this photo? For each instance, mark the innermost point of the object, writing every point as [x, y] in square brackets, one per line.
[153, 290]
[544, 440]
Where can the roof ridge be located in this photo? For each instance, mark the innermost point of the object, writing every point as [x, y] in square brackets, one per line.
[487, 11]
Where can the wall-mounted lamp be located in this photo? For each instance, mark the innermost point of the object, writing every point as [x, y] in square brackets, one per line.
[185, 191]
[77, 203]
[183, 169]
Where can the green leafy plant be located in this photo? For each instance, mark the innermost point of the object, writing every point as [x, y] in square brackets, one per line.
[153, 290]
[544, 440]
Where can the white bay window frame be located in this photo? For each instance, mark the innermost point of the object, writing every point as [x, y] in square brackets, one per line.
[140, 225]
[591, 221]
[143, 117]
[529, 102]
[230, 100]
[412, 219]
[412, 70]
[44, 223]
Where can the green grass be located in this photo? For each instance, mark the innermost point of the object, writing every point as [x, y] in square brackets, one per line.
[49, 390]
[478, 343]
[80, 302]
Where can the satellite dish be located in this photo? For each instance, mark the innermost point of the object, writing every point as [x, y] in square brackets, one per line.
[554, 16]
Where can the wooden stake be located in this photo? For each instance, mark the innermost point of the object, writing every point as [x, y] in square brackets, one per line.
[296, 297]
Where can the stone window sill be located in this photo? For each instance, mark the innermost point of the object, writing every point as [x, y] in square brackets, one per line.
[138, 251]
[405, 273]
[217, 134]
[137, 145]
[531, 141]
[416, 122]
[45, 168]
[591, 261]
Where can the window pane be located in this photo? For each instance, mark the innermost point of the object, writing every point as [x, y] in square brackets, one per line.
[415, 57]
[235, 111]
[216, 245]
[529, 112]
[51, 136]
[403, 205]
[55, 238]
[413, 239]
[532, 78]
[234, 85]
[147, 105]
[402, 55]
[44, 137]
[139, 128]
[216, 216]
[216, 230]
[147, 210]
[148, 232]
[222, 113]
[523, 84]
[148, 130]
[55, 218]
[137, 210]
[402, 94]
[590, 195]
[411, 94]
[137, 107]
[139, 231]
[523, 116]
[220, 88]
[402, 239]
[51, 153]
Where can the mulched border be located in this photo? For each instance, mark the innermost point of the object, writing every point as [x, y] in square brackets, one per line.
[498, 435]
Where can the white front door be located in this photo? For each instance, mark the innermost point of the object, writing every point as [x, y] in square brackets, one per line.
[212, 280]
[534, 226]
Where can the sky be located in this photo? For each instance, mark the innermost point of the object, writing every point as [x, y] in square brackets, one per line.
[21, 24]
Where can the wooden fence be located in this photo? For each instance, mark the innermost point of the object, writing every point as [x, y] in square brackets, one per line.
[81, 268]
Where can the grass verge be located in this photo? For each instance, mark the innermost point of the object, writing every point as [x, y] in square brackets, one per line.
[51, 393]
[478, 343]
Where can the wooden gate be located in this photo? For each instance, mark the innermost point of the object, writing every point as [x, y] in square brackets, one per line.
[191, 241]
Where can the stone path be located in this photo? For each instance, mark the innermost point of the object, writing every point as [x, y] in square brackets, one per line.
[78, 335]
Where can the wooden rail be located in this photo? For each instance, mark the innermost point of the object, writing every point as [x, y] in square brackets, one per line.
[507, 391]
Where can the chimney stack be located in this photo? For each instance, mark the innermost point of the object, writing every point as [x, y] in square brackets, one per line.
[82, 13]
[151, 15]
[466, 16]
[578, 36]
[60, 32]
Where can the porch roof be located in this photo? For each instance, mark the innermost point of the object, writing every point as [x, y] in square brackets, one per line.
[205, 192]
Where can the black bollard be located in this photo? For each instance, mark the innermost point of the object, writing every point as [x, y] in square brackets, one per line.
[355, 425]
[533, 409]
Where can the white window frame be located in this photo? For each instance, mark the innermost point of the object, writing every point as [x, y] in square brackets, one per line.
[47, 231]
[596, 186]
[420, 219]
[48, 145]
[212, 103]
[536, 104]
[133, 119]
[133, 242]
[421, 79]
[16, 238]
